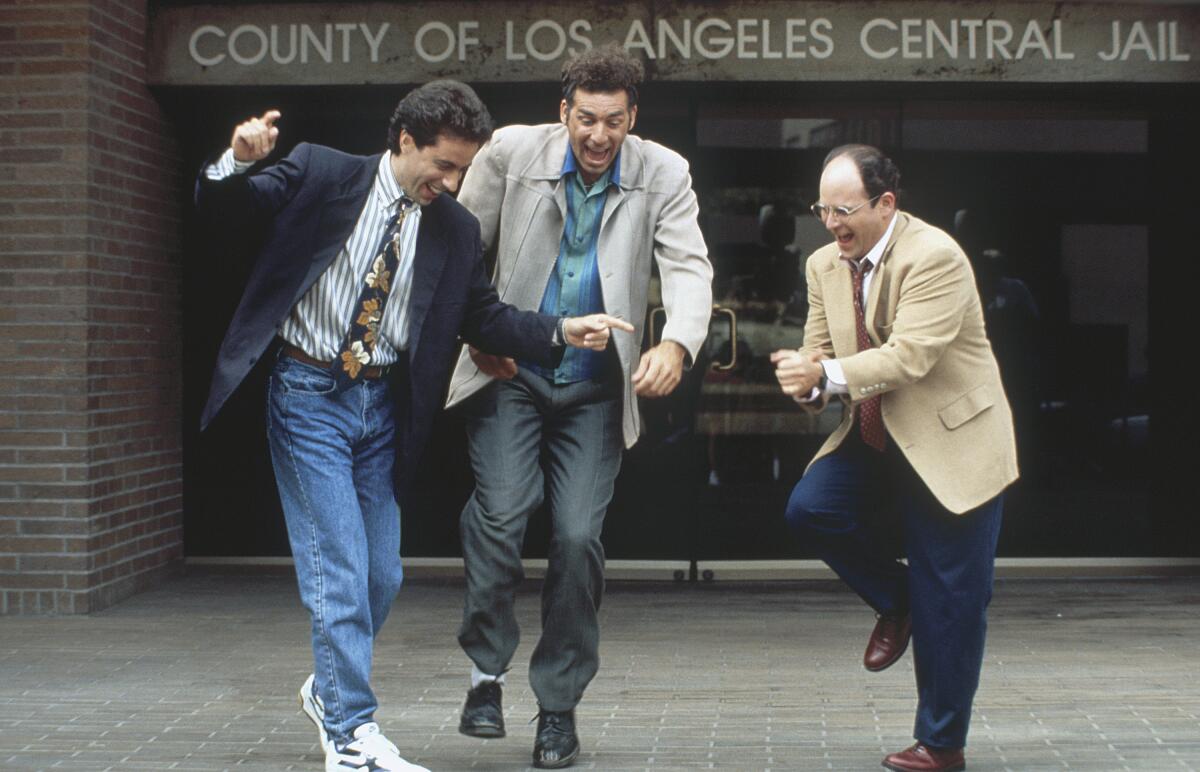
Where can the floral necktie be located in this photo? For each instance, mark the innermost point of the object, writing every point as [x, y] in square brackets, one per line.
[364, 333]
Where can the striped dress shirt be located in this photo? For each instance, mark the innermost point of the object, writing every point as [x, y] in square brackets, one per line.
[318, 323]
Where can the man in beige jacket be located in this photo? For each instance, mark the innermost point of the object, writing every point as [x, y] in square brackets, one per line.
[578, 213]
[925, 448]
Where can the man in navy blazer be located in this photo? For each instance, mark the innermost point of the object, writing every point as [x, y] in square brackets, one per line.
[368, 277]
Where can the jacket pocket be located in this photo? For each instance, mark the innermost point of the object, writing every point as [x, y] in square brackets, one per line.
[966, 407]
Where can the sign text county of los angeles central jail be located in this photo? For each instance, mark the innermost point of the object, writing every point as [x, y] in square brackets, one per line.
[367, 43]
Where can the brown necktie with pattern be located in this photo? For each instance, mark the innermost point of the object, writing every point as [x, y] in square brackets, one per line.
[870, 416]
[363, 335]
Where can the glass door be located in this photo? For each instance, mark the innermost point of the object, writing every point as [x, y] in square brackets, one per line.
[1062, 267]
[711, 475]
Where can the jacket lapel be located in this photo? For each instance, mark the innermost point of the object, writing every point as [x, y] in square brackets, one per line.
[544, 171]
[612, 201]
[428, 263]
[839, 306]
[614, 261]
[560, 198]
[882, 278]
[631, 179]
[540, 228]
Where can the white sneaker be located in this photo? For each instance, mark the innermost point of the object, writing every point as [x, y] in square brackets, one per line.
[369, 750]
[312, 706]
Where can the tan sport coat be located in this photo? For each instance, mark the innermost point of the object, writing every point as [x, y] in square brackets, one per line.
[942, 401]
[515, 189]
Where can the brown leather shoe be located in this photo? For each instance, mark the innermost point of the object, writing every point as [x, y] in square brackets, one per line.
[922, 758]
[888, 641]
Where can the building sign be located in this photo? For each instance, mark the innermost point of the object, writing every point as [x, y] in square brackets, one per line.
[754, 41]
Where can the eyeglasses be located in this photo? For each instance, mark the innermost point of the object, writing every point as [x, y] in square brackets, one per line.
[822, 211]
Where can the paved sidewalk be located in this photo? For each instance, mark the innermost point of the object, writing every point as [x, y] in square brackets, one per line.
[202, 674]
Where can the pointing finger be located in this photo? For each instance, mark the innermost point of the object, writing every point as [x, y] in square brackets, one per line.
[612, 321]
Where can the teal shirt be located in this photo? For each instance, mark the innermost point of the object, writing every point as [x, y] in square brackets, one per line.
[574, 285]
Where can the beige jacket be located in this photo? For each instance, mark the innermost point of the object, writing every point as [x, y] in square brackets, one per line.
[942, 401]
[514, 187]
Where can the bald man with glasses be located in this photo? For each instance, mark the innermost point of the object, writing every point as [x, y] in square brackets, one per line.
[925, 449]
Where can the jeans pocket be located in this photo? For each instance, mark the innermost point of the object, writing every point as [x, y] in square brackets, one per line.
[296, 376]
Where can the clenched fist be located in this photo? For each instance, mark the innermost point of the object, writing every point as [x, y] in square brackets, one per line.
[255, 139]
[798, 372]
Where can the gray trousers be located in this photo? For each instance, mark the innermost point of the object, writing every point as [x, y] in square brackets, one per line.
[530, 441]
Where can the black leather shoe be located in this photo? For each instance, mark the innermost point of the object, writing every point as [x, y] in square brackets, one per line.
[481, 713]
[556, 745]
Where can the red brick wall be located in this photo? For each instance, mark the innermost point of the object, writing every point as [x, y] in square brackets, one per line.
[90, 448]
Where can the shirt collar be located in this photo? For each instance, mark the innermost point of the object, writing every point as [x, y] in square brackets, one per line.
[387, 190]
[570, 165]
[876, 253]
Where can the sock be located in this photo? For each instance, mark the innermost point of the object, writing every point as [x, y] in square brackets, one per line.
[479, 677]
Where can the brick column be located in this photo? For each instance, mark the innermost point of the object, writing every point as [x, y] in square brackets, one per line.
[90, 449]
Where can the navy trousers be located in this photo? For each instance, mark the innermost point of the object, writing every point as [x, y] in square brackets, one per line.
[862, 510]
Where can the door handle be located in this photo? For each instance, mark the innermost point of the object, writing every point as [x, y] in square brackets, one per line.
[731, 315]
[728, 313]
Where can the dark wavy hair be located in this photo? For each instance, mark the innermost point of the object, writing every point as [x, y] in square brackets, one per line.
[879, 173]
[604, 69]
[440, 107]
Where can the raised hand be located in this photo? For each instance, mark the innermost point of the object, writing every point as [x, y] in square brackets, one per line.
[502, 368]
[255, 139]
[592, 332]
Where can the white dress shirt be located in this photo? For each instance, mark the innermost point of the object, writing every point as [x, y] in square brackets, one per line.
[835, 379]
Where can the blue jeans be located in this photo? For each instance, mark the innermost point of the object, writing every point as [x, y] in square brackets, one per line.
[333, 452]
[861, 509]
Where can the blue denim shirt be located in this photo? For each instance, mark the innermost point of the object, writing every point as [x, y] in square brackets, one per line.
[574, 285]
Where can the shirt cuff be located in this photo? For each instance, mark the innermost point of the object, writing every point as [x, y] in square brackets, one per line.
[226, 166]
[835, 379]
[812, 396]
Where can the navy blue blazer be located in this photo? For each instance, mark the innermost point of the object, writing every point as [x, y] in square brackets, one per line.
[308, 204]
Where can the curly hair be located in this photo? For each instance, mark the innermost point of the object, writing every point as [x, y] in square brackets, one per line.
[604, 69]
[879, 173]
[440, 107]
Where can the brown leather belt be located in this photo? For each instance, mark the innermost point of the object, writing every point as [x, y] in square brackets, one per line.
[370, 372]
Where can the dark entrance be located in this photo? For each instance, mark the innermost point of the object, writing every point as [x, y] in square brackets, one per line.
[1061, 196]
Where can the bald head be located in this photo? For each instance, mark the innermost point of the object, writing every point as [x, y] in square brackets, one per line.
[842, 187]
